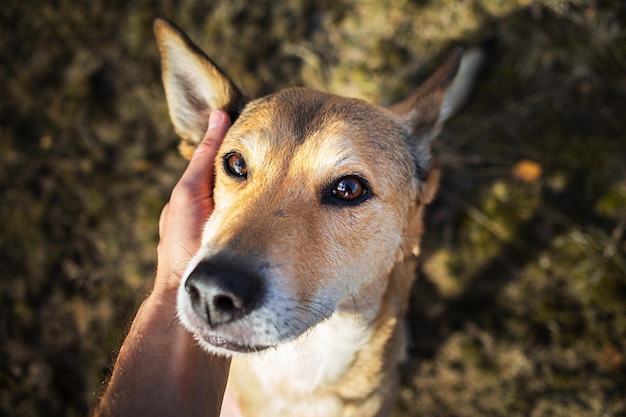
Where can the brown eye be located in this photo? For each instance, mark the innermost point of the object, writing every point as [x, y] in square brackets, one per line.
[349, 189]
[235, 165]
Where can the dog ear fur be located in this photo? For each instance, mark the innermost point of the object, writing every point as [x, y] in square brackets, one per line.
[425, 107]
[194, 85]
[437, 99]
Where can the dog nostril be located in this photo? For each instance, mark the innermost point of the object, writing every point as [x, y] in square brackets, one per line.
[225, 303]
[194, 293]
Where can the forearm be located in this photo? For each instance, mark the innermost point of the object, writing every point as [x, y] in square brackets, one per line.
[160, 370]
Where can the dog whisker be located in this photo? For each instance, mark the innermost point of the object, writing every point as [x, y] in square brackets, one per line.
[316, 314]
[370, 305]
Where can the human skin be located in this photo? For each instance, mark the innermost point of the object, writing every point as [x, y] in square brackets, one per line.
[160, 370]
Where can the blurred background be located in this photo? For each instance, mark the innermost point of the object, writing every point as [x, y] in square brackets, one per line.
[520, 306]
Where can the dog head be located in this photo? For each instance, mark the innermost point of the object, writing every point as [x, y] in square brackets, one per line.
[316, 197]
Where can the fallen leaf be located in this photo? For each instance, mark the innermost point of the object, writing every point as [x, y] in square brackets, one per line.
[527, 171]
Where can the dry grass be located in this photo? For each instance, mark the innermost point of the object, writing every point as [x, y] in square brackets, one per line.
[521, 305]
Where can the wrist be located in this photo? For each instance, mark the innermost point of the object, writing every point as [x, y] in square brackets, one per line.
[166, 283]
[160, 368]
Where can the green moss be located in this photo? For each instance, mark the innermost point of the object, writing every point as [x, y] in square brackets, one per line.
[613, 203]
[522, 306]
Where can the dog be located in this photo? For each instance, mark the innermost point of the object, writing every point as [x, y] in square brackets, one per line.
[307, 262]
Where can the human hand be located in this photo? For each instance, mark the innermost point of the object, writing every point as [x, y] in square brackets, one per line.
[160, 371]
[191, 203]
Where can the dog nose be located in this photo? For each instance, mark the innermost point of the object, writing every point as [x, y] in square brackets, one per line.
[221, 294]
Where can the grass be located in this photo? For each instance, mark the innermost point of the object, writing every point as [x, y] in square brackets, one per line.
[520, 307]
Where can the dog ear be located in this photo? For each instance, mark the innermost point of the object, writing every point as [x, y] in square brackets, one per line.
[438, 98]
[194, 85]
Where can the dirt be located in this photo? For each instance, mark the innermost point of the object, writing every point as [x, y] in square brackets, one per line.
[520, 306]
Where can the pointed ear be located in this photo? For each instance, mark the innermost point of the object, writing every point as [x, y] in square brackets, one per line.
[194, 85]
[425, 109]
[438, 98]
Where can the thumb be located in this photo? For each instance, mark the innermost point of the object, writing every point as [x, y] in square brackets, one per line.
[219, 122]
[201, 165]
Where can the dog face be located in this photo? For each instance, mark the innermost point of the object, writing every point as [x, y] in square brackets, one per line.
[313, 193]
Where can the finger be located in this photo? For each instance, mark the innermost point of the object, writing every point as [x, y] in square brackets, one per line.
[201, 165]
[219, 122]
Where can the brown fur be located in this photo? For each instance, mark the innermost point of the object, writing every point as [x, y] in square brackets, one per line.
[279, 223]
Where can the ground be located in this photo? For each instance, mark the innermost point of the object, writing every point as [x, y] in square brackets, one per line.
[520, 305]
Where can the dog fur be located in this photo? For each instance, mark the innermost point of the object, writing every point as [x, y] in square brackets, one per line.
[312, 287]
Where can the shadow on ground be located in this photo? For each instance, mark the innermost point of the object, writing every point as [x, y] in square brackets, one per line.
[520, 307]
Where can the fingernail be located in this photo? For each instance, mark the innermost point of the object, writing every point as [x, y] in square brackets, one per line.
[215, 119]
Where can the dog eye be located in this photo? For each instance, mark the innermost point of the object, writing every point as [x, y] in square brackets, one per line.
[235, 165]
[349, 189]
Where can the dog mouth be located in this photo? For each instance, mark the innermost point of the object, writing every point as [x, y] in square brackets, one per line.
[220, 342]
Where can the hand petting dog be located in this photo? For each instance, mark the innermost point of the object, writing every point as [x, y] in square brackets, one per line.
[160, 370]
[305, 268]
